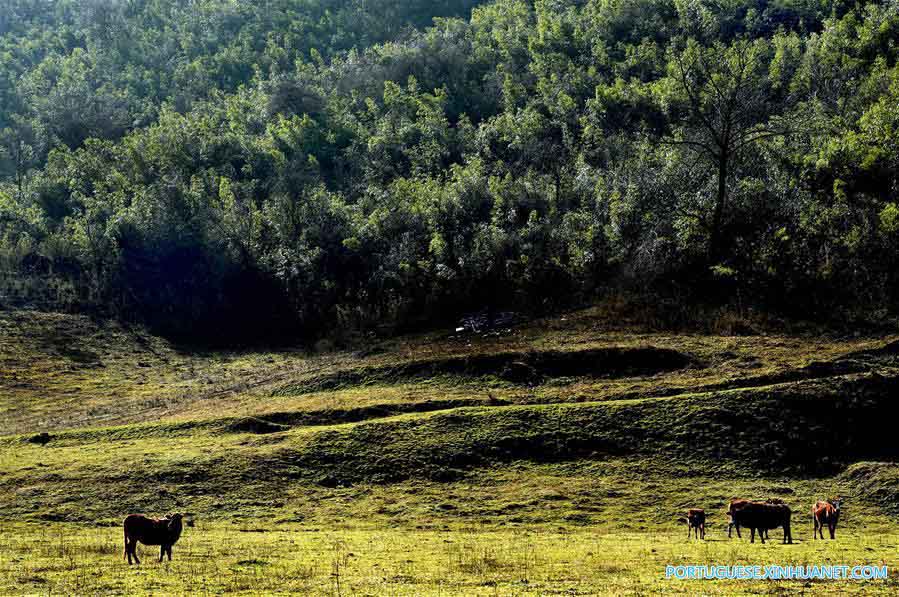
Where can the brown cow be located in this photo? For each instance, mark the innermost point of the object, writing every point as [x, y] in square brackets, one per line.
[737, 503]
[762, 516]
[696, 522]
[734, 504]
[150, 531]
[826, 513]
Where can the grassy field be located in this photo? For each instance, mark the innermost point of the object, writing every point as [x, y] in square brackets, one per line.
[553, 457]
[219, 559]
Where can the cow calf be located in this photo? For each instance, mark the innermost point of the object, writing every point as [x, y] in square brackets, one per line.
[696, 522]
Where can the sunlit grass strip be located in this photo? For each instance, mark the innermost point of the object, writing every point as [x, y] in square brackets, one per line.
[229, 559]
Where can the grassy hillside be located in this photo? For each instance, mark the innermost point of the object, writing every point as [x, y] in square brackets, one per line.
[552, 456]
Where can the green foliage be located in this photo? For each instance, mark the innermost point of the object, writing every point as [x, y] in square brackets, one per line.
[889, 219]
[310, 164]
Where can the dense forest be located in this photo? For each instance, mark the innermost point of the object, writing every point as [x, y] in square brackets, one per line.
[304, 165]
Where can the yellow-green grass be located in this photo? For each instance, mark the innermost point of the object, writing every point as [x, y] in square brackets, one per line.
[772, 430]
[438, 484]
[220, 558]
[579, 527]
[584, 528]
[62, 372]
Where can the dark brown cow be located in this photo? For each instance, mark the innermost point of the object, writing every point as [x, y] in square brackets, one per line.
[826, 514]
[731, 526]
[151, 531]
[696, 522]
[761, 517]
[736, 503]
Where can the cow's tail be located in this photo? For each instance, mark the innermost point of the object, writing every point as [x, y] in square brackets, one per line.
[125, 552]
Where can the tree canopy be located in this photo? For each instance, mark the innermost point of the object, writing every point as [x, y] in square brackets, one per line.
[298, 165]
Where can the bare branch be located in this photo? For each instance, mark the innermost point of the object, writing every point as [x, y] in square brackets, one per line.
[762, 133]
[694, 99]
[690, 143]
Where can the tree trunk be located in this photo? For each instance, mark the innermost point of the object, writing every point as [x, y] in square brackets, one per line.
[20, 168]
[720, 203]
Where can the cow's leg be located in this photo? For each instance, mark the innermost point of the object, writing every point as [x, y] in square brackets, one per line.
[730, 528]
[788, 534]
[762, 534]
[702, 528]
[161, 552]
[737, 527]
[134, 551]
[752, 535]
[833, 531]
[168, 550]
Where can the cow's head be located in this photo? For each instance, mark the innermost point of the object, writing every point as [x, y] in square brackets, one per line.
[835, 502]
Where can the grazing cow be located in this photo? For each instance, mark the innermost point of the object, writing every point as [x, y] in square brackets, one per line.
[762, 516]
[150, 531]
[826, 514]
[737, 503]
[734, 503]
[696, 523]
[731, 525]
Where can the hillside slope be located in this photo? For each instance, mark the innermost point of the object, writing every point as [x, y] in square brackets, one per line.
[429, 407]
[570, 423]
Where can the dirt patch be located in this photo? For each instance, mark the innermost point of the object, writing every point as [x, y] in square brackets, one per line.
[814, 370]
[887, 355]
[282, 421]
[864, 361]
[42, 439]
[254, 425]
[817, 370]
[610, 362]
[529, 368]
